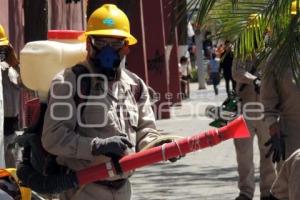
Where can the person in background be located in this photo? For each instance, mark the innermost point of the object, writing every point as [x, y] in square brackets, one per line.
[219, 50]
[213, 72]
[248, 89]
[226, 65]
[191, 45]
[184, 74]
[192, 54]
[11, 83]
[207, 45]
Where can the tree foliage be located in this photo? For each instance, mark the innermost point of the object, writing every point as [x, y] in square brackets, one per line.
[246, 22]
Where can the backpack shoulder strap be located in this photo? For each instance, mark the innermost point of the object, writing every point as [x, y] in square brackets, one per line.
[85, 83]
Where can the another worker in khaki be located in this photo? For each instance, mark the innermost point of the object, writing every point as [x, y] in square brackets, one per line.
[286, 185]
[11, 82]
[280, 97]
[114, 120]
[249, 94]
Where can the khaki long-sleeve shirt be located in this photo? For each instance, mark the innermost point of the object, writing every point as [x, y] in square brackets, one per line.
[68, 131]
[241, 74]
[249, 97]
[280, 97]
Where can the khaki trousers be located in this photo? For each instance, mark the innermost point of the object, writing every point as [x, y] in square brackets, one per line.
[287, 184]
[98, 192]
[244, 154]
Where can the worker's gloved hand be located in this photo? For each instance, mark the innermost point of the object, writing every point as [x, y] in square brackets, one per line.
[277, 147]
[257, 84]
[175, 159]
[113, 147]
[168, 141]
[274, 129]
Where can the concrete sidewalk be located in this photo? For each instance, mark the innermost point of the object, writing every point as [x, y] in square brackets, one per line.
[210, 174]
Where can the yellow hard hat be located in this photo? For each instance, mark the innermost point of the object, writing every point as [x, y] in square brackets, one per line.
[11, 172]
[109, 20]
[294, 8]
[3, 39]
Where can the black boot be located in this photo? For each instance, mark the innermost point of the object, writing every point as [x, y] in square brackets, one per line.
[242, 197]
[271, 197]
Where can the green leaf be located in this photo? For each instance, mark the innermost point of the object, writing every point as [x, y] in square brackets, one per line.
[245, 22]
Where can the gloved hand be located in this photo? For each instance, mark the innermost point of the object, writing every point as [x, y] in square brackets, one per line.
[277, 147]
[172, 160]
[167, 141]
[113, 147]
[257, 84]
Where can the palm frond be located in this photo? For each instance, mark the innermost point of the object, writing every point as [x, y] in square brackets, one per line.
[245, 22]
[285, 52]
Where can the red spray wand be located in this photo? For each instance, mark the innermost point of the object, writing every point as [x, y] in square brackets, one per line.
[235, 129]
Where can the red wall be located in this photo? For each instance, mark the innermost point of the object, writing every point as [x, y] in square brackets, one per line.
[137, 59]
[156, 60]
[172, 41]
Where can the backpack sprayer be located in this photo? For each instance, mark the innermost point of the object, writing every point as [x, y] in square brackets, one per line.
[59, 182]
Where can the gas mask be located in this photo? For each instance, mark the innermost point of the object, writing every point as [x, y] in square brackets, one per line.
[3, 54]
[107, 60]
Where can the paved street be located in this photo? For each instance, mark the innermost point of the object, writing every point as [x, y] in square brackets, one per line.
[209, 174]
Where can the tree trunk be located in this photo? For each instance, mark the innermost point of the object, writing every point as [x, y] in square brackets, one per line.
[36, 20]
[200, 60]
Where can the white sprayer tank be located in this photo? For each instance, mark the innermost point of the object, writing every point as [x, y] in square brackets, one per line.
[40, 61]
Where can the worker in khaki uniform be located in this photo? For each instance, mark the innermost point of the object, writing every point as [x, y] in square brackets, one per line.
[280, 97]
[248, 85]
[115, 120]
[11, 82]
[286, 185]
